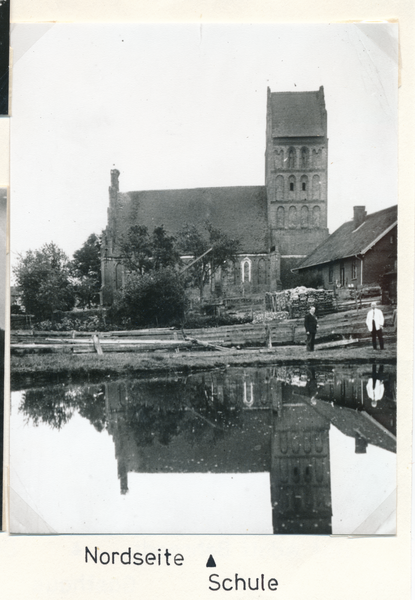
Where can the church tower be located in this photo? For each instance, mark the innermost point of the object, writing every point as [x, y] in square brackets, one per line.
[296, 160]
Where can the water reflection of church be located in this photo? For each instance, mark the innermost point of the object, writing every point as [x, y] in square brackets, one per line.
[274, 420]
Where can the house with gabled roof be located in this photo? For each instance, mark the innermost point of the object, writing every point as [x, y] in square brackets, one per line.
[277, 224]
[360, 252]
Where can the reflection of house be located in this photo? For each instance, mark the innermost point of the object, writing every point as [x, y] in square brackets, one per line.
[352, 393]
[277, 224]
[359, 252]
[242, 421]
[361, 426]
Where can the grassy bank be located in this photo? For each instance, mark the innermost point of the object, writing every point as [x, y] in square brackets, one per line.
[32, 369]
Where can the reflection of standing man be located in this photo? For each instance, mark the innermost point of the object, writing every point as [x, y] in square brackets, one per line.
[310, 324]
[375, 388]
[312, 385]
[374, 322]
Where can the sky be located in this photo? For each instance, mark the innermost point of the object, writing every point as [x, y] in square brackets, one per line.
[184, 106]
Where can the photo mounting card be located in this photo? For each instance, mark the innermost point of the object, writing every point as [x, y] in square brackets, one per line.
[4, 56]
[143, 418]
[3, 293]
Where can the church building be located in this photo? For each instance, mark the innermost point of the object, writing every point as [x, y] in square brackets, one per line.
[277, 224]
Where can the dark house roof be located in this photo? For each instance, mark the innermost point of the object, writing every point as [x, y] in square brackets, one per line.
[347, 241]
[240, 212]
[298, 114]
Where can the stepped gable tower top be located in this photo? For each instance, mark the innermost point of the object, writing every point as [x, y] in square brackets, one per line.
[298, 114]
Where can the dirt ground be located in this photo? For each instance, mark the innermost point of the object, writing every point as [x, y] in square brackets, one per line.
[60, 367]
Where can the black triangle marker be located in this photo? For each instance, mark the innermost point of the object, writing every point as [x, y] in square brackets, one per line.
[211, 561]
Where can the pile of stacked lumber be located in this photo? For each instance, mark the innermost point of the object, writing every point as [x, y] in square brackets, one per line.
[297, 301]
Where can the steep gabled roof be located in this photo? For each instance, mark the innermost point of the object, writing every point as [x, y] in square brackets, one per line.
[347, 241]
[298, 114]
[240, 212]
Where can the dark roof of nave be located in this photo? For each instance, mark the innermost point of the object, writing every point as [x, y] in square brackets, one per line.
[241, 212]
[297, 114]
[347, 241]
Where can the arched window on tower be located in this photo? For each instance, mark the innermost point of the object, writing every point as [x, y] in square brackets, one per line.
[280, 217]
[316, 187]
[316, 216]
[292, 217]
[304, 187]
[291, 187]
[317, 158]
[304, 217]
[304, 157]
[292, 156]
[279, 158]
[279, 195]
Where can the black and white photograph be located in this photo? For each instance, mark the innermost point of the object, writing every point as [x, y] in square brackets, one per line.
[203, 290]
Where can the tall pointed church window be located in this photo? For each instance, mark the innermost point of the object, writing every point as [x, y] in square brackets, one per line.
[246, 270]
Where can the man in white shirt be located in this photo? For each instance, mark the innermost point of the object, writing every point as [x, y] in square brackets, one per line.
[374, 322]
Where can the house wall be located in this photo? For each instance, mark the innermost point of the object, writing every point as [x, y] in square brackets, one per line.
[381, 259]
[377, 261]
[340, 273]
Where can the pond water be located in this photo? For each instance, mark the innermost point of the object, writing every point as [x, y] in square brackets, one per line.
[267, 450]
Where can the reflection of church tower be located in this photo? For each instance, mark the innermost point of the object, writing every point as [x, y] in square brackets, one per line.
[296, 162]
[300, 468]
[119, 429]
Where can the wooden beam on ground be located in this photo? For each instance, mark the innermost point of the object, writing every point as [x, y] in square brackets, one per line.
[205, 344]
[336, 344]
[97, 345]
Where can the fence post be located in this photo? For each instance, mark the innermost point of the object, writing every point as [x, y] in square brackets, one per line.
[268, 336]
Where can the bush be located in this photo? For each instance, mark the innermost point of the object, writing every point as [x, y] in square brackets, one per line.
[93, 323]
[308, 280]
[198, 321]
[155, 299]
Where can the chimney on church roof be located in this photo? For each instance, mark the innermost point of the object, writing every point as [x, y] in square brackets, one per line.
[359, 215]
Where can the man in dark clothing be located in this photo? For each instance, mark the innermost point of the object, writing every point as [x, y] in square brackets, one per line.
[310, 324]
